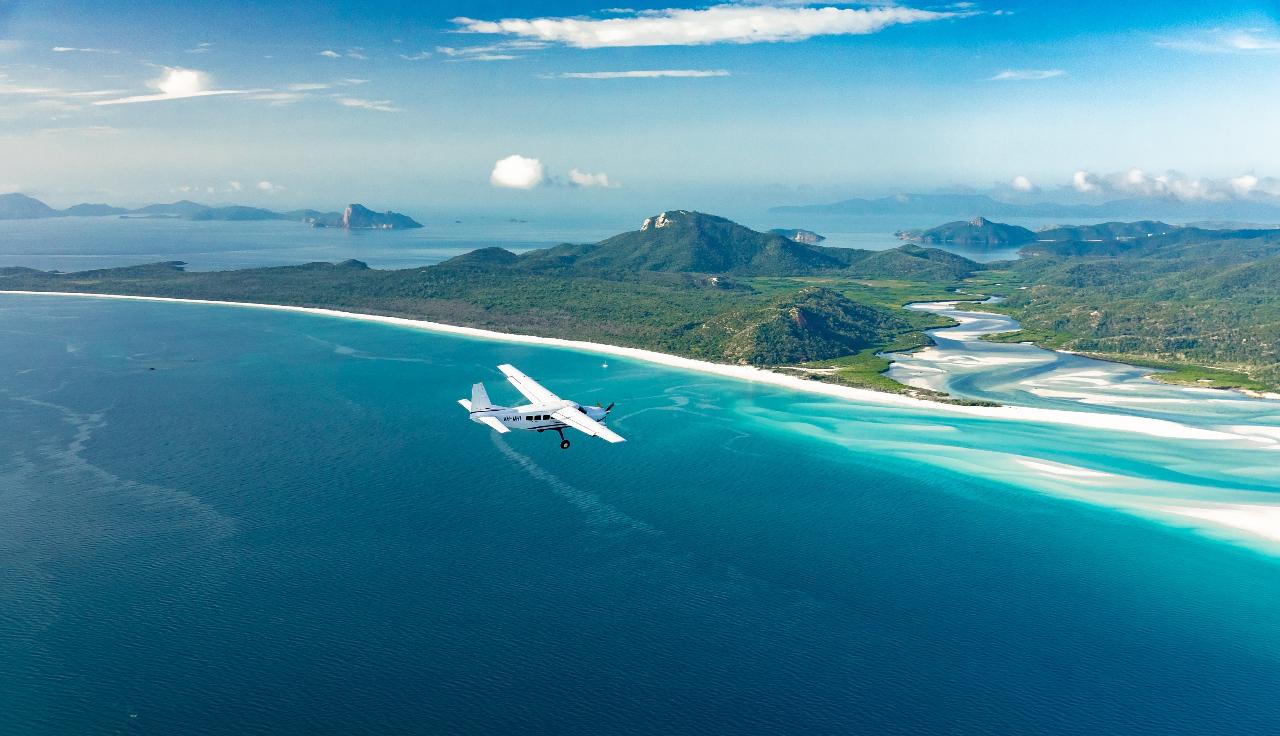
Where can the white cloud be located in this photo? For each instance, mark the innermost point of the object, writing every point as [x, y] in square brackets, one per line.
[1085, 182]
[307, 86]
[200, 48]
[1136, 182]
[1227, 41]
[268, 187]
[277, 99]
[362, 104]
[330, 53]
[178, 84]
[235, 186]
[644, 74]
[727, 23]
[77, 50]
[517, 172]
[420, 56]
[1021, 75]
[583, 179]
[1244, 184]
[1022, 184]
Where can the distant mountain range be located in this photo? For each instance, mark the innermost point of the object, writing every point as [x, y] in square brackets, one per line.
[355, 216]
[974, 205]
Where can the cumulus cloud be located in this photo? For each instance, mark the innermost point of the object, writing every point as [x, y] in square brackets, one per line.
[726, 23]
[644, 74]
[583, 179]
[1026, 75]
[1085, 182]
[1136, 182]
[1244, 184]
[1022, 184]
[330, 53]
[177, 84]
[517, 172]
[268, 187]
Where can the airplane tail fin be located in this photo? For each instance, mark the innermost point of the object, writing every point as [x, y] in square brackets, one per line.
[480, 398]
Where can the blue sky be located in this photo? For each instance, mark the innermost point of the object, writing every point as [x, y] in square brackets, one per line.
[411, 104]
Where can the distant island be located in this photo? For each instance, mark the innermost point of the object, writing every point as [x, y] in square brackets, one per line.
[1200, 304]
[354, 217]
[978, 232]
[968, 206]
[799, 235]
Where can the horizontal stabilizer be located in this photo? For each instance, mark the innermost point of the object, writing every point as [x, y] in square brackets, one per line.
[495, 425]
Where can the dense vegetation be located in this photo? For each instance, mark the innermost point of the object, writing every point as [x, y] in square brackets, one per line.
[696, 285]
[1186, 298]
[1203, 304]
[978, 232]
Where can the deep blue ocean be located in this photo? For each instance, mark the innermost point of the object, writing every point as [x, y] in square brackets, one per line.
[223, 520]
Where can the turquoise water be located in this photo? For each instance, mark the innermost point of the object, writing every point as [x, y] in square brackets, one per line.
[229, 520]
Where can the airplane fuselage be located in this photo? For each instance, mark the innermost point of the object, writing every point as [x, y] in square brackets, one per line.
[546, 411]
[537, 418]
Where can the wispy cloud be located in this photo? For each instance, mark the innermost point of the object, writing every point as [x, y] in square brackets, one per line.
[1227, 41]
[276, 98]
[420, 56]
[727, 23]
[200, 48]
[362, 104]
[643, 74]
[1025, 75]
[178, 84]
[330, 53]
[78, 50]
[583, 179]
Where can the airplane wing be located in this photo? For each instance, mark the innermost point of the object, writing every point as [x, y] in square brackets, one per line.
[532, 390]
[495, 425]
[584, 423]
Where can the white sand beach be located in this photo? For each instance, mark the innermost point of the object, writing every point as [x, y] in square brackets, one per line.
[1094, 420]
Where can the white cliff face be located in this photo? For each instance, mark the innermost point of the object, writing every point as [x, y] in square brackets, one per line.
[658, 222]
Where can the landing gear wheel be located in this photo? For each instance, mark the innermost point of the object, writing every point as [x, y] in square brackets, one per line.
[564, 444]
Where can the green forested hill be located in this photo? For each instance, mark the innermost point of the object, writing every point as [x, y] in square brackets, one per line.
[705, 287]
[1193, 296]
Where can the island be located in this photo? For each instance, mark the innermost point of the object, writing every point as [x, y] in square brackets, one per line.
[16, 206]
[976, 233]
[1199, 304]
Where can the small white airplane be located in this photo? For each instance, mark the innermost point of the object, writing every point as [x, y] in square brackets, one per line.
[545, 411]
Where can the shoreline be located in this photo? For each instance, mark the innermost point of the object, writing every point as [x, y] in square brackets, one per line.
[1160, 369]
[1237, 520]
[1090, 420]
